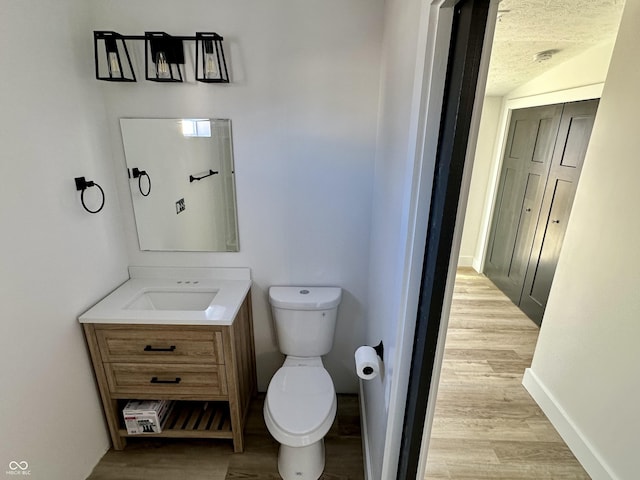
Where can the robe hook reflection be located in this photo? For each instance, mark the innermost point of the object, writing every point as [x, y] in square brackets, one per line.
[137, 173]
[82, 185]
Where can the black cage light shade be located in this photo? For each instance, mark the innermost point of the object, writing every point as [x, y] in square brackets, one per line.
[112, 59]
[163, 55]
[211, 66]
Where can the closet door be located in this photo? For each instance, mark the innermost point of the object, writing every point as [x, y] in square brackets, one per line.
[525, 166]
[568, 156]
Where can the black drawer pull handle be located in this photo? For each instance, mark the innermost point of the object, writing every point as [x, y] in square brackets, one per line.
[155, 380]
[149, 348]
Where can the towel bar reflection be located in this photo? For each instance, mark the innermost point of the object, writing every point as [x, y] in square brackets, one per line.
[193, 179]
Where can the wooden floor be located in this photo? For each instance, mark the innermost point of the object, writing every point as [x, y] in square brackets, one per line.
[486, 425]
[164, 459]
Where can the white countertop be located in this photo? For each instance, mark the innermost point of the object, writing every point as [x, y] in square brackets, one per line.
[231, 286]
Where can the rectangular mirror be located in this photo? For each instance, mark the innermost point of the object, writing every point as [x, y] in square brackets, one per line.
[181, 177]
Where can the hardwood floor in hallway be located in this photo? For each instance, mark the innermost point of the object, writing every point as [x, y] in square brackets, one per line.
[486, 425]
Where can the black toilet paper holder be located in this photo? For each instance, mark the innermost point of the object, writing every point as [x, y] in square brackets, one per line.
[380, 350]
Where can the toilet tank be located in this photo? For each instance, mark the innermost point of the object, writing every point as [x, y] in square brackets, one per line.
[305, 319]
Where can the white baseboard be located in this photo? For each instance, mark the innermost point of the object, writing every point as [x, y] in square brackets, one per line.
[570, 433]
[365, 436]
[465, 261]
[477, 264]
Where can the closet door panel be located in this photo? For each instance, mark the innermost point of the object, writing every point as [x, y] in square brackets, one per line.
[518, 151]
[568, 156]
[546, 135]
[577, 141]
[538, 284]
[525, 232]
[505, 217]
[526, 162]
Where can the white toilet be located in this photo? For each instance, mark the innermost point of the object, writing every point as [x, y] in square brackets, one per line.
[301, 401]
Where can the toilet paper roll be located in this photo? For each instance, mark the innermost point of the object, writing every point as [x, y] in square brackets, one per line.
[367, 363]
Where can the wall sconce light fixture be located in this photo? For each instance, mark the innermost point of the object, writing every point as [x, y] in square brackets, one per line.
[210, 62]
[110, 52]
[163, 54]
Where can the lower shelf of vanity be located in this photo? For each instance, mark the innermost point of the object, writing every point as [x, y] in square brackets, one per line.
[191, 419]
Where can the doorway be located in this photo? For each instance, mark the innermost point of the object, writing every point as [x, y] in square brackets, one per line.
[427, 332]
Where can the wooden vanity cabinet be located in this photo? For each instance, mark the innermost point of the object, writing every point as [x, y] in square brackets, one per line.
[209, 371]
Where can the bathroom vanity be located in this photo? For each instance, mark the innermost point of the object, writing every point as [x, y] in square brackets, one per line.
[182, 334]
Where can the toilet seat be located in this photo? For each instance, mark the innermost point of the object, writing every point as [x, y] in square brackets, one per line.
[300, 405]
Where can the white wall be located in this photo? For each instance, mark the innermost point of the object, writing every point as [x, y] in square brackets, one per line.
[480, 177]
[56, 259]
[587, 355]
[392, 192]
[303, 100]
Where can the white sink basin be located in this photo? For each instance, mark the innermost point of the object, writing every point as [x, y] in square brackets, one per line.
[174, 296]
[175, 300]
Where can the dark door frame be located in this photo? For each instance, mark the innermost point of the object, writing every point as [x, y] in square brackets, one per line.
[465, 51]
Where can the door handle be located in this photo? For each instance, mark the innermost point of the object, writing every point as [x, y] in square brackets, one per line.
[555, 221]
[527, 209]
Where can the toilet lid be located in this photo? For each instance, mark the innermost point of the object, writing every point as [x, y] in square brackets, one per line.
[300, 398]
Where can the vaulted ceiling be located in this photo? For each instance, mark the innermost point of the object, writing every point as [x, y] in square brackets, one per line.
[526, 27]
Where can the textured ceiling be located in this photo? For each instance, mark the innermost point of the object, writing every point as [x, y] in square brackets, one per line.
[526, 27]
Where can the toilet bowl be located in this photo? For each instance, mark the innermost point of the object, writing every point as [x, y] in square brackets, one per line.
[301, 404]
[299, 410]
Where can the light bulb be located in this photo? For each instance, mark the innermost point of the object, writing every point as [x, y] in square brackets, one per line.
[211, 66]
[162, 67]
[114, 65]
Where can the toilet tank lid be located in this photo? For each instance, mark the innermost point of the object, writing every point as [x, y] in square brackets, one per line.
[305, 298]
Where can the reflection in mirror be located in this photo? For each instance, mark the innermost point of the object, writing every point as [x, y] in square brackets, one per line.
[181, 177]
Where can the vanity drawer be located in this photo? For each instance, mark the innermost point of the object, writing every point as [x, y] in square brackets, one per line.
[166, 379]
[157, 345]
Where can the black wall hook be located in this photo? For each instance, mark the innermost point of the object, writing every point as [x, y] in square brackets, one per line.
[81, 185]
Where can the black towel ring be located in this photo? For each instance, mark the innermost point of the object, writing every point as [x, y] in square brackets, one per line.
[82, 185]
[139, 174]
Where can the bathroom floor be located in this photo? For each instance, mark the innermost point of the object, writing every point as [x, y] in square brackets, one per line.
[159, 459]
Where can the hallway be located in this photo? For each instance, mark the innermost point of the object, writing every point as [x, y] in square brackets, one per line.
[486, 425]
